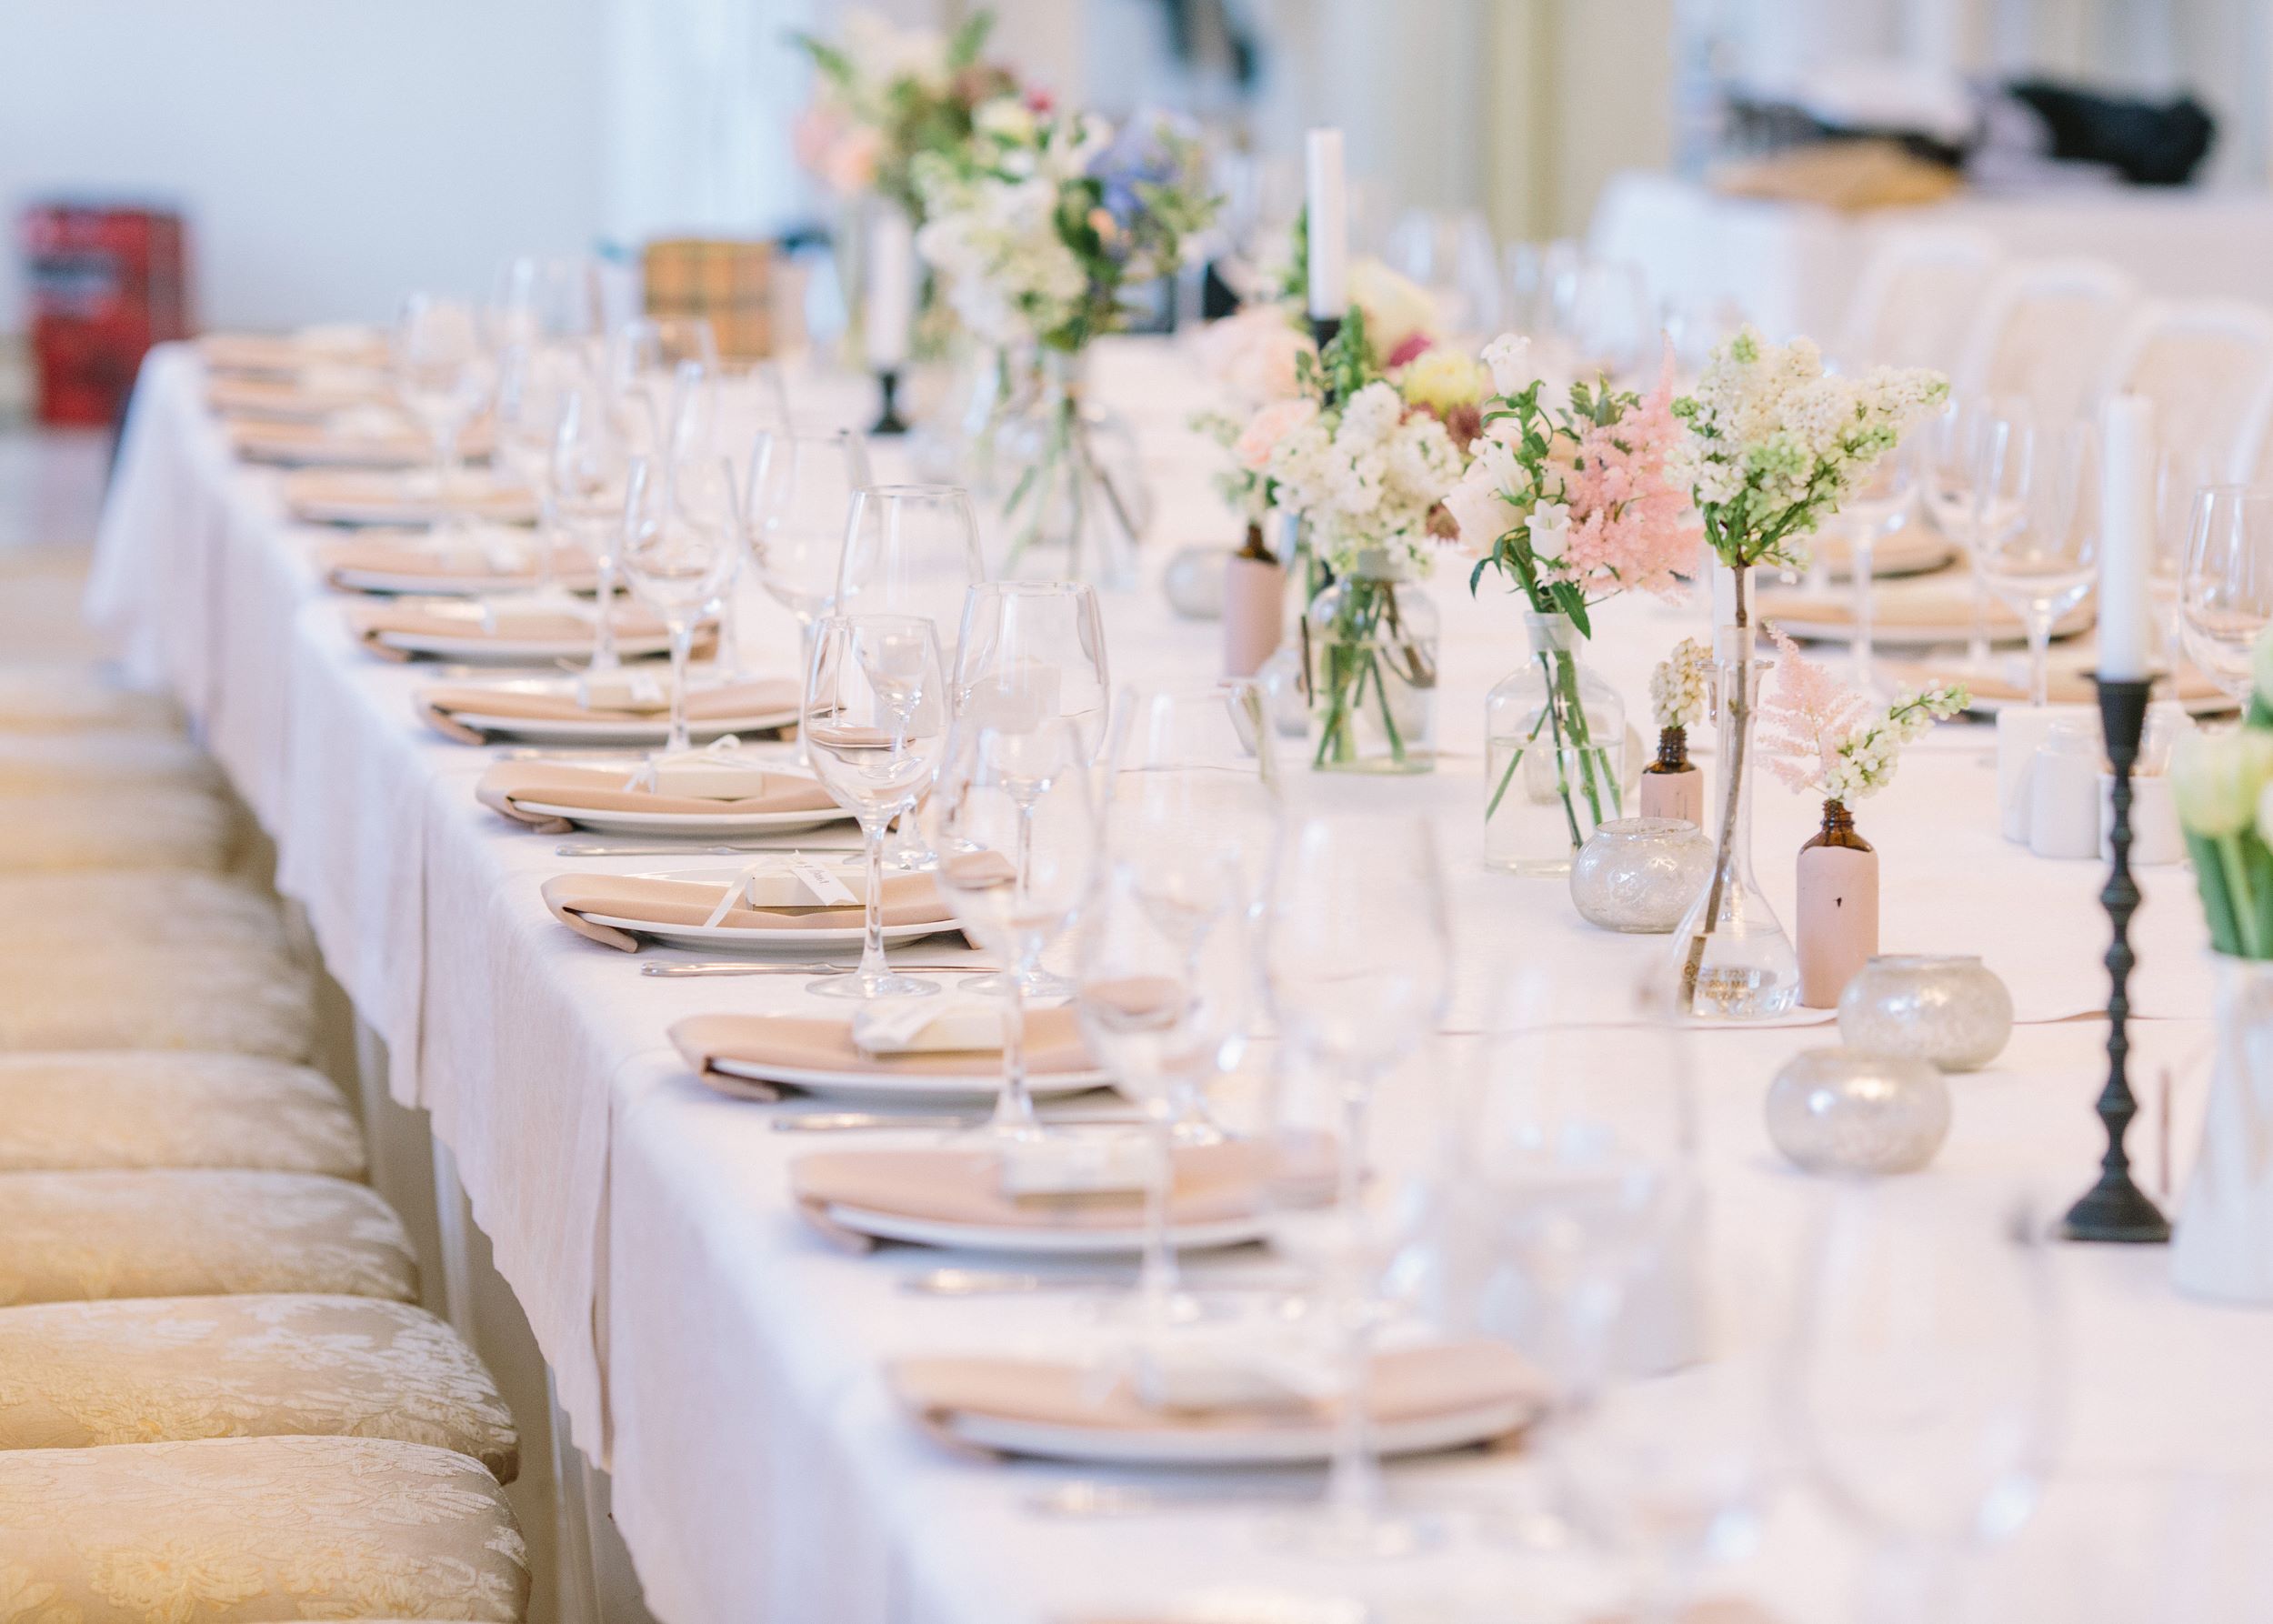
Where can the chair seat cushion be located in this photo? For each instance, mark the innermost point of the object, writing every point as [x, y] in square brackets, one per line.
[226, 998]
[75, 1237]
[146, 1109]
[156, 909]
[163, 826]
[60, 699]
[73, 1375]
[109, 761]
[236, 1530]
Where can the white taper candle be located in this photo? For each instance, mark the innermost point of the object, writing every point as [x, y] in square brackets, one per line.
[1326, 196]
[2126, 535]
[891, 314]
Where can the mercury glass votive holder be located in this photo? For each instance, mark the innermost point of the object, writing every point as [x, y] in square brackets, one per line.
[1639, 875]
[1948, 1008]
[1841, 1110]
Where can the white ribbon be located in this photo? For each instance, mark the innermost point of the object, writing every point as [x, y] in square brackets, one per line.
[723, 751]
[827, 889]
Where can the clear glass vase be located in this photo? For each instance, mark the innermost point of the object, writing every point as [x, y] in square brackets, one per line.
[1075, 501]
[1370, 652]
[1554, 755]
[2222, 1248]
[1284, 676]
[1732, 959]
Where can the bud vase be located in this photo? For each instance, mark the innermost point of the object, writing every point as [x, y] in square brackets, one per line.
[1371, 660]
[1837, 908]
[1283, 676]
[1254, 605]
[2221, 1248]
[1076, 502]
[1673, 786]
[1732, 960]
[1554, 755]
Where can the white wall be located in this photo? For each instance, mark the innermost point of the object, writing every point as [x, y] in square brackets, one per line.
[330, 154]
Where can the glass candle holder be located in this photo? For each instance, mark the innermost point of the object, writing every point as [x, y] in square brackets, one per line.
[1840, 1111]
[1639, 875]
[1948, 1008]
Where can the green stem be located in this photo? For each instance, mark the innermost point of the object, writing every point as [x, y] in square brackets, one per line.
[2236, 868]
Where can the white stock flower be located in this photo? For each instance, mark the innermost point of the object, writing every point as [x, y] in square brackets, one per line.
[1509, 356]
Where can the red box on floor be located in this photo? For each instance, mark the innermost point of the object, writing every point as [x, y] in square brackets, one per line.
[106, 284]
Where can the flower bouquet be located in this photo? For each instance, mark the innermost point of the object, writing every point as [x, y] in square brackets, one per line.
[1573, 505]
[1679, 691]
[1042, 227]
[1775, 444]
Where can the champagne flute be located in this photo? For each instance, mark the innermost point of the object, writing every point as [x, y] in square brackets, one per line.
[2043, 562]
[1928, 1358]
[875, 717]
[1356, 957]
[1013, 823]
[443, 381]
[2226, 599]
[801, 495]
[590, 484]
[682, 539]
[1163, 1000]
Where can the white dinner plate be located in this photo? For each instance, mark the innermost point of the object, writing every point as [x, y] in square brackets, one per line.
[722, 938]
[1035, 1241]
[1236, 1446]
[390, 584]
[694, 825]
[605, 730]
[917, 1088]
[474, 649]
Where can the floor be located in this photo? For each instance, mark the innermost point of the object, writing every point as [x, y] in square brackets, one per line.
[51, 494]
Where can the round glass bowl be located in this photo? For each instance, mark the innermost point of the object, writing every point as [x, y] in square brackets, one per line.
[1840, 1111]
[1639, 875]
[1948, 1008]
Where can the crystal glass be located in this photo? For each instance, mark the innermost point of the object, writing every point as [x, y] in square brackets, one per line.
[683, 536]
[2226, 599]
[1077, 502]
[1640, 875]
[443, 377]
[2042, 565]
[1928, 1370]
[1554, 755]
[1372, 672]
[2181, 474]
[1016, 829]
[664, 366]
[534, 382]
[1163, 980]
[1979, 474]
[588, 499]
[1190, 765]
[800, 495]
[1356, 961]
[546, 300]
[1878, 507]
[875, 720]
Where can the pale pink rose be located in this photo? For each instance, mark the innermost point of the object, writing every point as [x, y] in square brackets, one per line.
[850, 165]
[1483, 515]
[1254, 354]
[1273, 424]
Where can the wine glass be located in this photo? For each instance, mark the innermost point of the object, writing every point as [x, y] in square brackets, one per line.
[1964, 454]
[587, 492]
[1878, 505]
[683, 536]
[1013, 823]
[647, 358]
[2226, 598]
[874, 718]
[801, 495]
[443, 379]
[1162, 996]
[2181, 473]
[1356, 957]
[1193, 762]
[1928, 1362]
[534, 381]
[2042, 563]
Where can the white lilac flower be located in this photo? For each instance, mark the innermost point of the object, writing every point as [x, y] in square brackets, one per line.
[1676, 687]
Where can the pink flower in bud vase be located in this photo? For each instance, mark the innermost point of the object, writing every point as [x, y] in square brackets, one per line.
[1273, 424]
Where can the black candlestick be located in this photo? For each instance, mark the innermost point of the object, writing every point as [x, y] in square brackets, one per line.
[1323, 329]
[2115, 1208]
[889, 420]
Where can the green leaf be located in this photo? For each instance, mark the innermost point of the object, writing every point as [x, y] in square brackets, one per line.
[2217, 906]
[1572, 602]
[1476, 574]
[825, 56]
[969, 40]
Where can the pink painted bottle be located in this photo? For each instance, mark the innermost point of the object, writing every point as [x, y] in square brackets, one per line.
[1672, 787]
[1838, 907]
[1254, 605]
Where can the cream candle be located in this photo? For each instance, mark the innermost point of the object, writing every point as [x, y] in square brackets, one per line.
[1326, 196]
[891, 314]
[2127, 536]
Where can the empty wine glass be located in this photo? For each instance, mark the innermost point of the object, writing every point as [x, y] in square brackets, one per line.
[1162, 995]
[800, 497]
[2226, 599]
[2042, 563]
[1929, 1361]
[591, 478]
[534, 381]
[683, 536]
[875, 720]
[649, 362]
[1356, 957]
[442, 378]
[1012, 820]
[1878, 507]
[2181, 474]
[1974, 486]
[1192, 763]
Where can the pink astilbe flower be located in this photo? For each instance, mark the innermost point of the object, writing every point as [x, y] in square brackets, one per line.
[1807, 718]
[1628, 516]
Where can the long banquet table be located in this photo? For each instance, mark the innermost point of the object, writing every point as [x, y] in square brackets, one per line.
[725, 1363]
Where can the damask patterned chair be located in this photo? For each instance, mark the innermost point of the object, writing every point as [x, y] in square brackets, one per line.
[234, 1530]
[144, 1108]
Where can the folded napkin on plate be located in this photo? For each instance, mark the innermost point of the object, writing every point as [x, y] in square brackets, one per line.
[803, 1043]
[1404, 1385]
[505, 559]
[347, 441]
[956, 1025]
[504, 625]
[287, 353]
[2192, 690]
[311, 396]
[909, 899]
[1898, 609]
[774, 700]
[368, 496]
[506, 785]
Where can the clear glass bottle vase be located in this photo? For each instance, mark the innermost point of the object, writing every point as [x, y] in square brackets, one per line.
[1732, 959]
[1554, 755]
[1075, 502]
[1369, 642]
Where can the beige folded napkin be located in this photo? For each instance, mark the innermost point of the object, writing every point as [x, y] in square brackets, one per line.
[820, 1043]
[288, 352]
[1403, 1385]
[909, 899]
[508, 783]
[320, 495]
[504, 628]
[766, 696]
[510, 563]
[1915, 549]
[311, 396]
[2190, 687]
[325, 445]
[1936, 608]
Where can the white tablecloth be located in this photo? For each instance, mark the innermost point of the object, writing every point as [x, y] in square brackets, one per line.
[725, 1363]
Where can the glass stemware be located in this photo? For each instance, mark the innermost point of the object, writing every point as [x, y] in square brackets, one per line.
[1928, 1359]
[534, 381]
[874, 718]
[1879, 508]
[590, 482]
[664, 366]
[442, 378]
[2181, 474]
[682, 540]
[801, 495]
[1192, 763]
[1356, 957]
[2225, 595]
[2043, 561]
[1965, 465]
[1012, 820]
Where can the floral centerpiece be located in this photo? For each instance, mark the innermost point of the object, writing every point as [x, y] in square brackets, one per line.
[887, 95]
[1043, 225]
[1775, 444]
[1572, 504]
